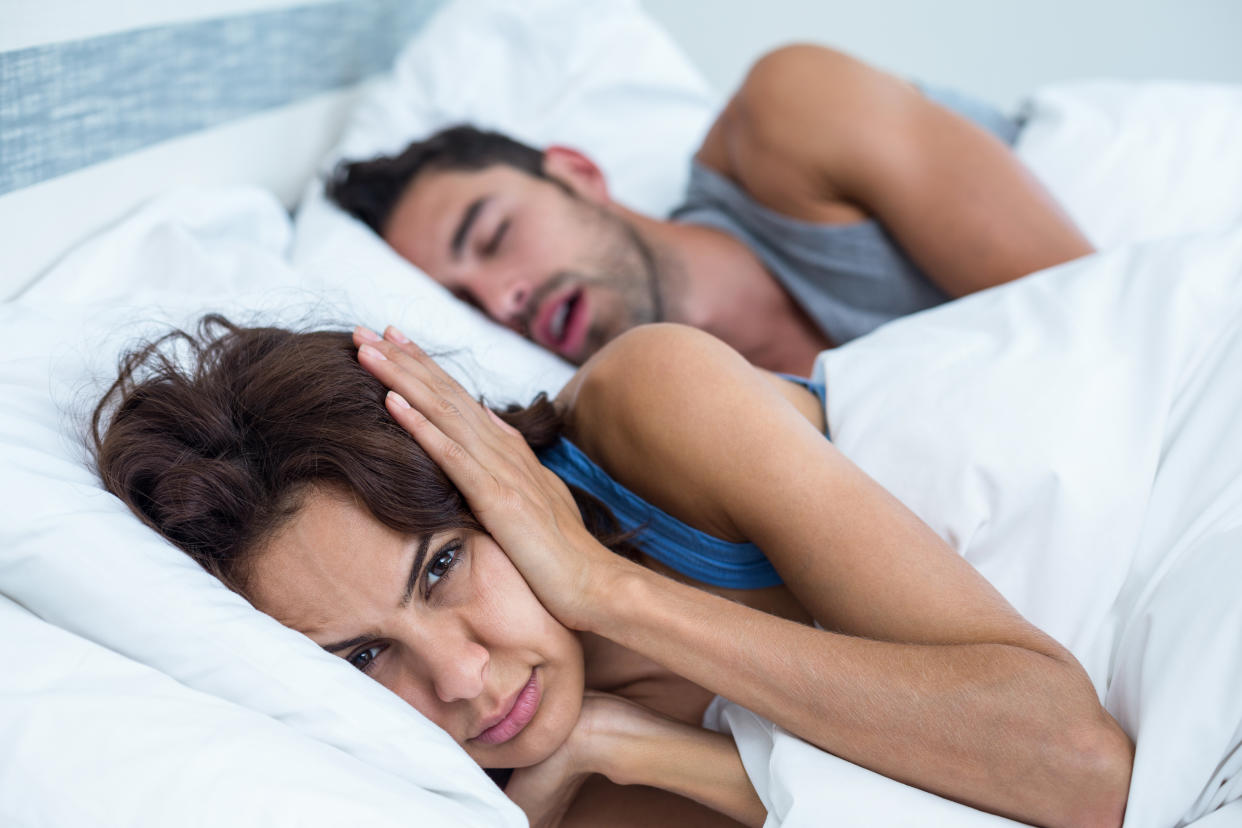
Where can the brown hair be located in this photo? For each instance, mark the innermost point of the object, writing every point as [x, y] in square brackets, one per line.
[369, 190]
[215, 436]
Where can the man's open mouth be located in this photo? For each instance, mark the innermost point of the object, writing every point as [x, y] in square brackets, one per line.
[562, 323]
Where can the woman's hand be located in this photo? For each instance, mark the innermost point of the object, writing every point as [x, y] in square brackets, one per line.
[525, 507]
[633, 745]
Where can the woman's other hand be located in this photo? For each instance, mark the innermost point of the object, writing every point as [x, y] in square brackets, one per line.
[525, 507]
[545, 791]
[633, 745]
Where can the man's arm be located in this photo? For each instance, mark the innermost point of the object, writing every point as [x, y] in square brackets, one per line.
[820, 136]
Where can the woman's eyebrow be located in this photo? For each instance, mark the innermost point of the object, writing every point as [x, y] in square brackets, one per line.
[345, 645]
[412, 580]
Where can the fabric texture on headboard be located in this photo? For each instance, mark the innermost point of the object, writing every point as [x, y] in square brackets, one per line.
[70, 105]
[92, 124]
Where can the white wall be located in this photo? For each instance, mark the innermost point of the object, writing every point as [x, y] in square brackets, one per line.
[995, 49]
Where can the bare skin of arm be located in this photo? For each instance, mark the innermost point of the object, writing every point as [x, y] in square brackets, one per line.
[817, 135]
[924, 673]
[923, 653]
[669, 773]
[628, 765]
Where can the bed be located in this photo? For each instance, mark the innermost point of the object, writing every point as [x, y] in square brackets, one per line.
[138, 191]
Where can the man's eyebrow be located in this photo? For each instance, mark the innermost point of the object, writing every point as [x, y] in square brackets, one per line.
[415, 571]
[467, 221]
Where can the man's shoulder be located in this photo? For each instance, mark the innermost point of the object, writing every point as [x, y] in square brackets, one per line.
[770, 138]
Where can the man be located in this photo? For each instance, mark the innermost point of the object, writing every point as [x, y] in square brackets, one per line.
[827, 199]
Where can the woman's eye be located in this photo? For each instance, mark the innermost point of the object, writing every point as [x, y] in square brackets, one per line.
[363, 659]
[440, 565]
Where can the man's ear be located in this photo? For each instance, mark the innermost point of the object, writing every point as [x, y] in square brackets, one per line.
[576, 171]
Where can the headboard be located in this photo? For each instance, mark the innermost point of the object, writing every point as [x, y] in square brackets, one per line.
[103, 104]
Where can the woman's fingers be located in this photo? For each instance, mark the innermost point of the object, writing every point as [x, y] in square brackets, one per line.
[407, 370]
[441, 378]
[404, 354]
[460, 465]
[462, 424]
[365, 336]
[441, 401]
[525, 507]
[502, 425]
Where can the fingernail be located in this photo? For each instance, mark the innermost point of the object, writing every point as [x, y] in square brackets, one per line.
[367, 333]
[396, 335]
[398, 399]
[374, 353]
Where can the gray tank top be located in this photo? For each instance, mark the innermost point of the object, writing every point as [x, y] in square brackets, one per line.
[849, 278]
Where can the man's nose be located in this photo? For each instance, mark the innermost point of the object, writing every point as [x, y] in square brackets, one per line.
[457, 669]
[505, 297]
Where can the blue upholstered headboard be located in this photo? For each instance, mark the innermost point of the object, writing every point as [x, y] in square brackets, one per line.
[104, 103]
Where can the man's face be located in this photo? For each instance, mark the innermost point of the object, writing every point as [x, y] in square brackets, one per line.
[556, 267]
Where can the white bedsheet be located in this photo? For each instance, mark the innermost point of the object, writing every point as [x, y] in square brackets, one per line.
[1077, 439]
[90, 738]
[234, 719]
[603, 74]
[1136, 161]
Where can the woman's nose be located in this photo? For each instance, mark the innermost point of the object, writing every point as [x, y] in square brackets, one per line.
[458, 670]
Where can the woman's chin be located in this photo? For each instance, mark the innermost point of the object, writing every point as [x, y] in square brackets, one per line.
[515, 755]
[561, 686]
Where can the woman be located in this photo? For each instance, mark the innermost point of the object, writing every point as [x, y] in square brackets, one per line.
[459, 570]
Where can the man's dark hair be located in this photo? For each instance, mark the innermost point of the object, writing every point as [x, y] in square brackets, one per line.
[369, 190]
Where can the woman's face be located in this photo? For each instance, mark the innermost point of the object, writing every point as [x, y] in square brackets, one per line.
[444, 621]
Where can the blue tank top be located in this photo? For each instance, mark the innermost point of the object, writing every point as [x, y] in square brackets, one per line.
[663, 537]
[848, 278]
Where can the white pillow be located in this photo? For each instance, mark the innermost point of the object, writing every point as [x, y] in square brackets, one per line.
[1129, 161]
[599, 75]
[595, 74]
[88, 737]
[1136, 161]
[1075, 436]
[74, 556]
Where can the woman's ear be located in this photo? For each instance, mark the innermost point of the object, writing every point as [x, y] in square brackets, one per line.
[576, 171]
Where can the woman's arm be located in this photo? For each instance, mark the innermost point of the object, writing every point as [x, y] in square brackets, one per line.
[927, 674]
[642, 747]
[619, 745]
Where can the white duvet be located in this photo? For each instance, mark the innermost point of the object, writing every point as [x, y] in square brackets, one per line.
[1077, 437]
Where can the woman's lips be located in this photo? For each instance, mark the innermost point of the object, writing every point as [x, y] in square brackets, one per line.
[521, 711]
